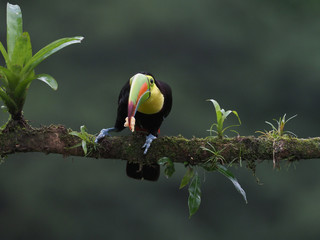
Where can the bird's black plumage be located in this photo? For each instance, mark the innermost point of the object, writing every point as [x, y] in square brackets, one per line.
[148, 122]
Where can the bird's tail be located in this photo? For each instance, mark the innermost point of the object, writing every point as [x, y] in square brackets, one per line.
[139, 171]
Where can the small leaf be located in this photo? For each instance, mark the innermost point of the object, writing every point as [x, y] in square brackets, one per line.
[3, 75]
[194, 199]
[48, 51]
[83, 129]
[169, 166]
[4, 54]
[22, 86]
[163, 161]
[187, 177]
[237, 115]
[217, 109]
[8, 101]
[48, 80]
[74, 133]
[224, 171]
[84, 147]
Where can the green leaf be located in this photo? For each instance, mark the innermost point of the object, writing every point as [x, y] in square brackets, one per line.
[4, 72]
[84, 147]
[48, 51]
[22, 52]
[4, 54]
[237, 115]
[217, 109]
[224, 171]
[194, 199]
[22, 86]
[83, 129]
[169, 166]
[14, 27]
[48, 80]
[187, 177]
[74, 133]
[12, 106]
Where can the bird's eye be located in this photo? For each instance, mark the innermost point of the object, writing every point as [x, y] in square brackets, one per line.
[151, 81]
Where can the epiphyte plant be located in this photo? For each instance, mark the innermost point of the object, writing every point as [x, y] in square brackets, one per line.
[221, 117]
[278, 131]
[87, 141]
[19, 72]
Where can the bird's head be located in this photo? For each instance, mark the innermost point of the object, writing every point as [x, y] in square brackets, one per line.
[141, 86]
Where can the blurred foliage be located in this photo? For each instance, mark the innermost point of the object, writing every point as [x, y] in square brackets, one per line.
[261, 58]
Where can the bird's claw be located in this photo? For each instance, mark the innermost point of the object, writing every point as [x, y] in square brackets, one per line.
[103, 133]
[148, 142]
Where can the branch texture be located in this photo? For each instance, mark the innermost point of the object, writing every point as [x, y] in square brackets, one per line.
[56, 139]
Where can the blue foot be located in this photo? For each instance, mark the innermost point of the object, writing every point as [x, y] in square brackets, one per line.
[103, 133]
[148, 142]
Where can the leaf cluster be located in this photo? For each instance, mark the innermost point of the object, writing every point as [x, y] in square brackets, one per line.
[278, 130]
[213, 165]
[169, 166]
[192, 178]
[19, 71]
[221, 117]
[88, 144]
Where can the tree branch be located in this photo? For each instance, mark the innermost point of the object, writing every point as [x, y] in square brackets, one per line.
[56, 139]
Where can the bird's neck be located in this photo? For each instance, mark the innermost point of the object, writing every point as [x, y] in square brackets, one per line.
[154, 103]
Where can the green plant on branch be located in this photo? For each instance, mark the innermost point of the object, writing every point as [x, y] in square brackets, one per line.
[87, 141]
[278, 131]
[213, 164]
[221, 117]
[169, 166]
[19, 72]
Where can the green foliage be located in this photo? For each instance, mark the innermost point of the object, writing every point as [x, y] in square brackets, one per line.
[187, 177]
[221, 117]
[225, 172]
[214, 158]
[88, 145]
[277, 132]
[194, 199]
[212, 164]
[19, 72]
[192, 178]
[169, 166]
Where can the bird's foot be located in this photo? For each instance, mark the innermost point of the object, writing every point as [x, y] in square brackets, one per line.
[103, 133]
[148, 142]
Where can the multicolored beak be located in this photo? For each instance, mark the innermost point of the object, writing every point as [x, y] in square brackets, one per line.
[139, 92]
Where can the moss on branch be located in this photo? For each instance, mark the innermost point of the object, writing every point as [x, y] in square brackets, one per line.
[56, 139]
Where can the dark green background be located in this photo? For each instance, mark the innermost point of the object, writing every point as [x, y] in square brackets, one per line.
[261, 58]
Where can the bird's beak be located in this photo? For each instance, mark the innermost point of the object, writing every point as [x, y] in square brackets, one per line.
[139, 92]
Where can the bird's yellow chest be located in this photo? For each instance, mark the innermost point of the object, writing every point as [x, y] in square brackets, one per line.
[154, 103]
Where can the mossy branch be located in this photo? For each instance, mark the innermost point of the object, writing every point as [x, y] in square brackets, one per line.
[56, 139]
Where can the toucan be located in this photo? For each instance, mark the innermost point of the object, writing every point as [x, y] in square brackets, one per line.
[143, 104]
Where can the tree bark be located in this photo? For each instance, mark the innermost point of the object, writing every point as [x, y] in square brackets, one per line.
[56, 139]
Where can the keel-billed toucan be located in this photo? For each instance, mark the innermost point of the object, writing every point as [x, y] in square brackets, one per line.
[142, 105]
